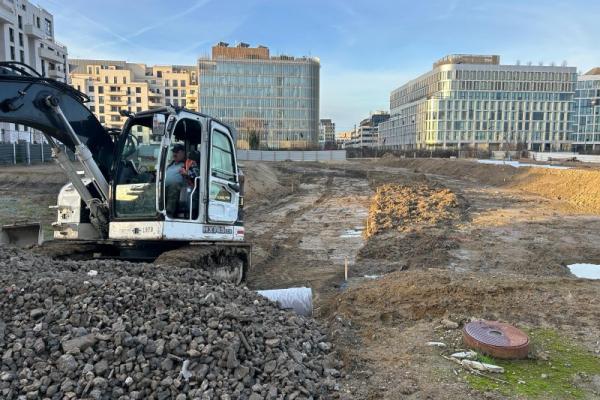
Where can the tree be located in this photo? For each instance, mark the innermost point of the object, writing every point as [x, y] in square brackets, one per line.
[253, 139]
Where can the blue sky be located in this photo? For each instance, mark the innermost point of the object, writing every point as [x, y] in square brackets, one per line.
[367, 48]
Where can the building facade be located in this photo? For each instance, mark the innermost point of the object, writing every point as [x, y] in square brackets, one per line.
[27, 36]
[471, 101]
[366, 134]
[113, 86]
[327, 134]
[587, 119]
[272, 101]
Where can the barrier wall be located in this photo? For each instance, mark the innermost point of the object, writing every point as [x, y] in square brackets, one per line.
[291, 155]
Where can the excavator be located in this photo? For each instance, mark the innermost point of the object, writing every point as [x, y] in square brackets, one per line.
[119, 202]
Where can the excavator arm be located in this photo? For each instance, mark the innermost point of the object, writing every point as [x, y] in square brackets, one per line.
[26, 98]
[58, 111]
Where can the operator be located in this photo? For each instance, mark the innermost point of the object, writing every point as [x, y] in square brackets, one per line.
[179, 173]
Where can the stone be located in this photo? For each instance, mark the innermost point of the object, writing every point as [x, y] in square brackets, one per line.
[67, 363]
[78, 344]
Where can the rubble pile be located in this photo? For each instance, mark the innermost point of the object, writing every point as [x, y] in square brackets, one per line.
[115, 330]
[403, 207]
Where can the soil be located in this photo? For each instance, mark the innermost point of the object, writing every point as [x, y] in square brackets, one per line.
[501, 252]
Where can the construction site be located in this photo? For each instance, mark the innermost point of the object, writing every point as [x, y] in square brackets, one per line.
[400, 254]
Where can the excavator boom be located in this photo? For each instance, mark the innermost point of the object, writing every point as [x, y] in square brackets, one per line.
[23, 100]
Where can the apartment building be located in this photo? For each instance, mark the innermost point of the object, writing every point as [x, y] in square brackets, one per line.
[27, 36]
[326, 133]
[270, 99]
[586, 138]
[474, 101]
[114, 85]
[366, 134]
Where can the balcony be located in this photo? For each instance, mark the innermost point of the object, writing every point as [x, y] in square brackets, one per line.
[7, 12]
[56, 74]
[50, 55]
[32, 30]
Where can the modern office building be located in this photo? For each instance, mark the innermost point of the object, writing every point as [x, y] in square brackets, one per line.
[27, 36]
[118, 85]
[587, 108]
[473, 101]
[366, 134]
[326, 134]
[273, 99]
[343, 137]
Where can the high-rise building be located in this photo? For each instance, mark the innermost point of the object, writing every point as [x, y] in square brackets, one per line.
[118, 85]
[27, 36]
[366, 134]
[272, 101]
[326, 134]
[587, 107]
[472, 101]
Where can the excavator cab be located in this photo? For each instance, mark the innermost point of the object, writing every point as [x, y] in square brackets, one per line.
[192, 193]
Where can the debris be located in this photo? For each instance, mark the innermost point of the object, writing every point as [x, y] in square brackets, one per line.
[448, 324]
[436, 344]
[469, 355]
[92, 272]
[470, 364]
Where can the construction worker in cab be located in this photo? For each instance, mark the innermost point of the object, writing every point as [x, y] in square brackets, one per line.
[180, 173]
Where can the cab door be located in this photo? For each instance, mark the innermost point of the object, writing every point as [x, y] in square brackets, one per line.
[223, 186]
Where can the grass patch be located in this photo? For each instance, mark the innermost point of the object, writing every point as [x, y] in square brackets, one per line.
[566, 360]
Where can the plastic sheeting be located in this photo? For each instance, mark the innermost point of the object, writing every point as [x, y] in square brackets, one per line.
[297, 299]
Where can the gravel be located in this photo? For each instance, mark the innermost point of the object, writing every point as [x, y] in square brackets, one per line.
[139, 331]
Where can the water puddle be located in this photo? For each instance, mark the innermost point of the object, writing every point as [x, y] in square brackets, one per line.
[518, 164]
[352, 233]
[587, 271]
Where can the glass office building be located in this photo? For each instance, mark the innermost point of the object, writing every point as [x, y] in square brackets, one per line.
[272, 102]
[472, 101]
[587, 120]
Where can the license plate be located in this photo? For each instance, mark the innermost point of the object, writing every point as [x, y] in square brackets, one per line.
[217, 229]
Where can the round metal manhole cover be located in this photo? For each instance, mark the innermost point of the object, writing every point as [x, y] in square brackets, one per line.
[496, 339]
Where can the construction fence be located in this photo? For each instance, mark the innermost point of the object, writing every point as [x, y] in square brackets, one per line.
[291, 155]
[24, 153]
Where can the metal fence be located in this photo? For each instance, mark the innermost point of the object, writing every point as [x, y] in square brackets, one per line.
[291, 155]
[25, 153]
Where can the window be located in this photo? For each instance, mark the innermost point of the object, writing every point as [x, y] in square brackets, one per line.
[174, 83]
[92, 108]
[167, 92]
[138, 90]
[100, 89]
[37, 22]
[11, 35]
[48, 26]
[20, 22]
[106, 79]
[21, 43]
[12, 53]
[175, 93]
[138, 99]
[114, 79]
[22, 56]
[222, 157]
[159, 74]
[91, 89]
[182, 83]
[125, 80]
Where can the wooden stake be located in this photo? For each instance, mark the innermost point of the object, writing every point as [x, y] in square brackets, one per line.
[346, 269]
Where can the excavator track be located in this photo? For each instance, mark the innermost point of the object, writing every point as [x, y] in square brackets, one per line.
[223, 261]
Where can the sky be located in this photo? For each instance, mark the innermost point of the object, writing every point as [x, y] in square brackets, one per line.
[366, 48]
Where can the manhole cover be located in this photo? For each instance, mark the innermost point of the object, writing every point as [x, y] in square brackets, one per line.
[496, 339]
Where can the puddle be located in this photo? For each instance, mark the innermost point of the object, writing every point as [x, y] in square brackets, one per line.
[350, 233]
[587, 271]
[518, 164]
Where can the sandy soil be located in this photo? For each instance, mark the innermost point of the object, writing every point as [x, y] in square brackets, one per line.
[503, 256]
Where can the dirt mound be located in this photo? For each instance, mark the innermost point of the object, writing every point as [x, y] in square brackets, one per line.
[108, 329]
[580, 188]
[403, 207]
[261, 183]
[405, 297]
